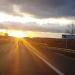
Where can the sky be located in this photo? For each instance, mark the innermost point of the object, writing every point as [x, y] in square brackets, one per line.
[37, 15]
[42, 8]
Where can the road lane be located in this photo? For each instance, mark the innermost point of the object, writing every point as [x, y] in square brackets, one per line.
[17, 59]
[22, 62]
[63, 63]
[41, 56]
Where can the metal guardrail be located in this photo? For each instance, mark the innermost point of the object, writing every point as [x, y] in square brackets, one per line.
[61, 49]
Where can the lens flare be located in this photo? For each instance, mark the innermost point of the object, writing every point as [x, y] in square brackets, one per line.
[18, 34]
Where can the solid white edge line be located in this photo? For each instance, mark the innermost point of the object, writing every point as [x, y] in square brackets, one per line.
[50, 65]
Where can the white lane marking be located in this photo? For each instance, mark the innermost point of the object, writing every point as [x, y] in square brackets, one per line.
[30, 47]
[50, 65]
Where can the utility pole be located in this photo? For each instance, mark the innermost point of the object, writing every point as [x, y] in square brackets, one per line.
[72, 29]
[71, 32]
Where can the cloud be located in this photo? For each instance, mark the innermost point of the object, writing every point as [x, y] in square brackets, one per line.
[47, 8]
[42, 8]
[30, 23]
[32, 26]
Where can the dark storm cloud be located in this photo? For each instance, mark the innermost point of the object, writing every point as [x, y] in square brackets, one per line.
[43, 8]
[47, 8]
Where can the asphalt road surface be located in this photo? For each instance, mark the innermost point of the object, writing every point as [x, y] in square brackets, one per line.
[22, 58]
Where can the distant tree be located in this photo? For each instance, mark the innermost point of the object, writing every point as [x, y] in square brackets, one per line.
[6, 34]
[70, 29]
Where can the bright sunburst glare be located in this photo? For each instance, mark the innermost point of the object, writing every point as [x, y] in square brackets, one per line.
[18, 34]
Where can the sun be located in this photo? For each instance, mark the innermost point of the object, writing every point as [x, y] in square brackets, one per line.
[17, 34]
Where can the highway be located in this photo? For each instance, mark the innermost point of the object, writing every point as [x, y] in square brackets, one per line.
[23, 58]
